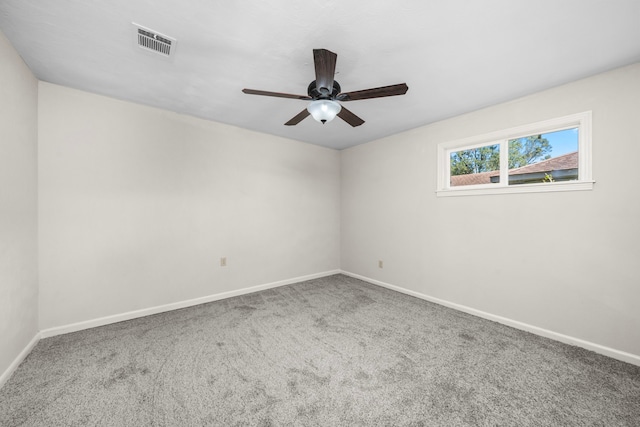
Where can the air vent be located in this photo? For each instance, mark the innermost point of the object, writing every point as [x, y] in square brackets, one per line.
[153, 41]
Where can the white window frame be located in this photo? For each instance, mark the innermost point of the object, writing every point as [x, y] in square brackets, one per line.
[585, 179]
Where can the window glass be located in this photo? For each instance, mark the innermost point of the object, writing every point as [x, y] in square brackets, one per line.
[475, 166]
[547, 157]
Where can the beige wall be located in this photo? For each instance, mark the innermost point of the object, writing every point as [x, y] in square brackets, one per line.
[18, 197]
[564, 262]
[137, 206]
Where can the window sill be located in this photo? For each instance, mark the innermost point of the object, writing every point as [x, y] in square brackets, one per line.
[524, 188]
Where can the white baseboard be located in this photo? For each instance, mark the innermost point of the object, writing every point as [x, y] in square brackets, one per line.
[607, 351]
[65, 329]
[18, 360]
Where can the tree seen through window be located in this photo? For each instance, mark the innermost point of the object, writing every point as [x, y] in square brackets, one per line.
[481, 165]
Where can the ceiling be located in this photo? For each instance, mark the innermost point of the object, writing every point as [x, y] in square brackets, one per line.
[456, 56]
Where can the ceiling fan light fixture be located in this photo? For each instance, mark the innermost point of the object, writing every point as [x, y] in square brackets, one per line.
[324, 110]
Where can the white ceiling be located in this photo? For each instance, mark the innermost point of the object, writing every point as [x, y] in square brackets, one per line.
[455, 55]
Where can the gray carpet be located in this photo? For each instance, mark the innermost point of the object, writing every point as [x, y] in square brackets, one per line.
[328, 352]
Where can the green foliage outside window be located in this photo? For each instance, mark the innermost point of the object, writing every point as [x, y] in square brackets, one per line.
[522, 152]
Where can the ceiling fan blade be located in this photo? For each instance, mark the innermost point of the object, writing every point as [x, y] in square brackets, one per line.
[276, 94]
[350, 118]
[378, 92]
[325, 62]
[298, 118]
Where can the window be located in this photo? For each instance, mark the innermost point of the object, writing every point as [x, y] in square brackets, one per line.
[554, 155]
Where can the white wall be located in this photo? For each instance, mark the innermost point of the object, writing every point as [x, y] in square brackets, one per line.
[18, 197]
[137, 205]
[565, 262]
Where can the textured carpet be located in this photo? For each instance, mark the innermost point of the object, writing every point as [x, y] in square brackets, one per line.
[328, 352]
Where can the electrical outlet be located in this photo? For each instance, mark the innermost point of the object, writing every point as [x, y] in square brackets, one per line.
[380, 264]
[223, 262]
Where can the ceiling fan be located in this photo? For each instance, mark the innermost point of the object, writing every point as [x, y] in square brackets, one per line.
[324, 93]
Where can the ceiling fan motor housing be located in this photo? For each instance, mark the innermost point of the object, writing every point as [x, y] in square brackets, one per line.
[323, 93]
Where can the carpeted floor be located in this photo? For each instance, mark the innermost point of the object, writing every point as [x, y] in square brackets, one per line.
[328, 352]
